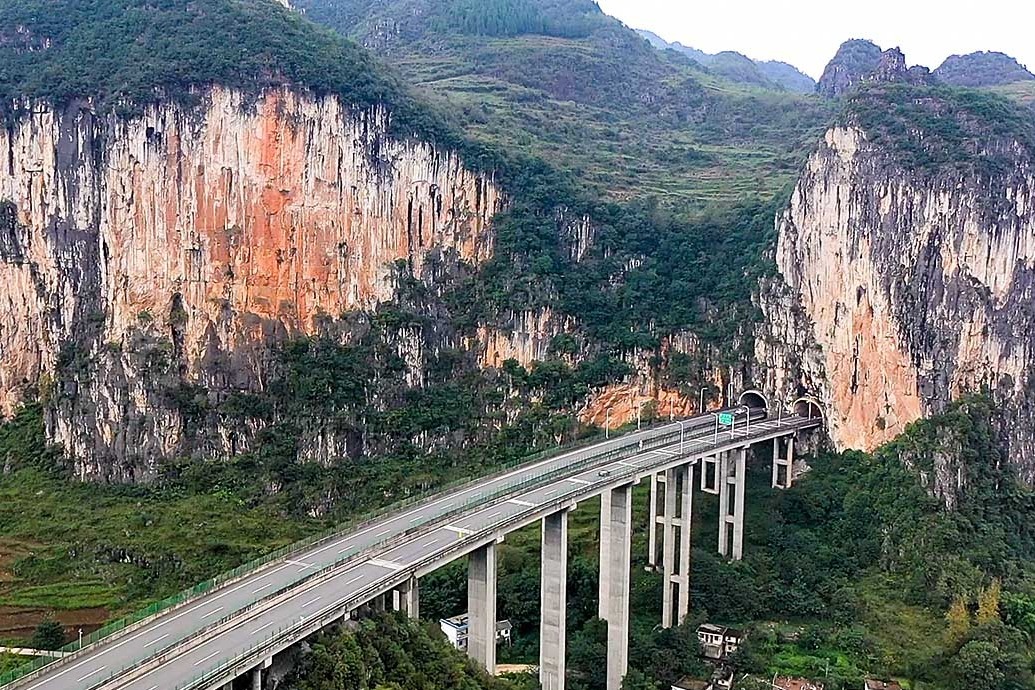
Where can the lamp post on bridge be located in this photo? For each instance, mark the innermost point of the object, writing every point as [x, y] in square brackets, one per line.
[700, 407]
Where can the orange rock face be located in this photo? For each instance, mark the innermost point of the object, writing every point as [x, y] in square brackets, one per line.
[223, 222]
[900, 291]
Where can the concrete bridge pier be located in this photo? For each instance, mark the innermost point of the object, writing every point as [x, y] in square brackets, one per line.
[554, 601]
[783, 465]
[678, 517]
[406, 598]
[481, 606]
[732, 471]
[654, 520]
[620, 528]
[711, 468]
[257, 679]
[605, 555]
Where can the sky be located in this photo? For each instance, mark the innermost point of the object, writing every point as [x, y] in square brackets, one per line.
[806, 33]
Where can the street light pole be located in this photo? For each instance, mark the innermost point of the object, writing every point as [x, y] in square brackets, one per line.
[700, 407]
[607, 423]
[80, 638]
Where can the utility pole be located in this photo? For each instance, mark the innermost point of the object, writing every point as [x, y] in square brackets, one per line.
[700, 407]
[607, 423]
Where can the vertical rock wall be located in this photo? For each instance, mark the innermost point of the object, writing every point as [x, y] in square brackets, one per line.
[183, 241]
[900, 290]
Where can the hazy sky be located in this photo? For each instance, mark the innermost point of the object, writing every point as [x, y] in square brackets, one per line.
[806, 33]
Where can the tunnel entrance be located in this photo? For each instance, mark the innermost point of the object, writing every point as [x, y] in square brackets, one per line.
[754, 399]
[808, 408]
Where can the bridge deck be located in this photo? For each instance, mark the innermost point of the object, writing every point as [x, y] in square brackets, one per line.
[192, 651]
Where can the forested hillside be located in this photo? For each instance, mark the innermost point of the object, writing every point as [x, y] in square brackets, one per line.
[563, 81]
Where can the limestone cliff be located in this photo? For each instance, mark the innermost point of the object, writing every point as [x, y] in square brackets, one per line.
[904, 284]
[175, 246]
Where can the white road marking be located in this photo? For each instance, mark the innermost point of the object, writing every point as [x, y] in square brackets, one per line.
[576, 480]
[159, 639]
[263, 627]
[459, 530]
[268, 584]
[304, 565]
[555, 461]
[521, 503]
[311, 601]
[385, 564]
[201, 661]
[213, 611]
[96, 670]
[355, 579]
[431, 543]
[627, 464]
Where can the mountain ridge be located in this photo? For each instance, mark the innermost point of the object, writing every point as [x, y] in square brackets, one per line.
[735, 66]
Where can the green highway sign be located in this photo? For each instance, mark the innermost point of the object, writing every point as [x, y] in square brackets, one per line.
[725, 418]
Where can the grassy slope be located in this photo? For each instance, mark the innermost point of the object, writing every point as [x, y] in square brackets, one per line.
[628, 119]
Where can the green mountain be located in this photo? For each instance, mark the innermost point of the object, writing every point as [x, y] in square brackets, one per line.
[982, 69]
[563, 81]
[740, 68]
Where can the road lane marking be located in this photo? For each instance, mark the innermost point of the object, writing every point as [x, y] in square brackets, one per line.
[304, 565]
[626, 464]
[355, 579]
[555, 461]
[311, 601]
[268, 584]
[431, 543]
[159, 639]
[576, 480]
[201, 661]
[96, 670]
[385, 564]
[459, 530]
[213, 611]
[519, 502]
[495, 515]
[258, 630]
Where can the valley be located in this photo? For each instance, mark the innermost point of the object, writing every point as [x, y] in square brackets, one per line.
[266, 269]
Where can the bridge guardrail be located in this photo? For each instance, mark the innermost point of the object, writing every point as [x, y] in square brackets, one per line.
[141, 617]
[372, 590]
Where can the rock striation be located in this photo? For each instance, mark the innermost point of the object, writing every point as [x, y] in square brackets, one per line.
[140, 254]
[901, 288]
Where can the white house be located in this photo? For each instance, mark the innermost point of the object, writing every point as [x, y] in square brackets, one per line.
[455, 630]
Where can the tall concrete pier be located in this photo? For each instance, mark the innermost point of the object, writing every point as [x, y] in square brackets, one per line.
[481, 606]
[554, 601]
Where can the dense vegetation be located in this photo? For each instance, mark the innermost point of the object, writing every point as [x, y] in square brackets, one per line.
[854, 59]
[855, 571]
[387, 651]
[940, 128]
[981, 69]
[126, 53]
[594, 98]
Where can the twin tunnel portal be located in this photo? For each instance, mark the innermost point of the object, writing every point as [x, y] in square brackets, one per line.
[268, 610]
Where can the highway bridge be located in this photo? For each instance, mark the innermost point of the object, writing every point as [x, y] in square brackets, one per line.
[229, 635]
